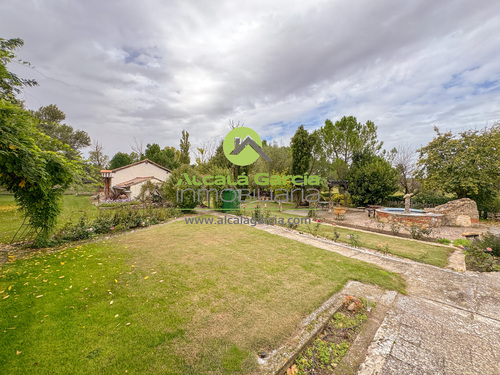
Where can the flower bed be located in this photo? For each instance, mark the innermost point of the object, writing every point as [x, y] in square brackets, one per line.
[325, 352]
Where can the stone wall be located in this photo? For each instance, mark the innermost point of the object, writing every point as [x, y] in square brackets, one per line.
[409, 219]
[461, 212]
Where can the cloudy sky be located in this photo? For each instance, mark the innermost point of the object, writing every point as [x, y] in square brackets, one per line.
[148, 69]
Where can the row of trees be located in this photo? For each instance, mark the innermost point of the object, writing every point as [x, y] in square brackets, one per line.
[40, 157]
[466, 164]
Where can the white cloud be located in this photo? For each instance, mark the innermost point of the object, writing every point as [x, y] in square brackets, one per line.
[125, 69]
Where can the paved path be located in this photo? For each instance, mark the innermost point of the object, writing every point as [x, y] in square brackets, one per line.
[448, 323]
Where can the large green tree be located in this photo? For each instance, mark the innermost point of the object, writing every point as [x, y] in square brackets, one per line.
[219, 159]
[339, 141]
[466, 164]
[302, 145]
[165, 157]
[184, 157]
[371, 179]
[120, 159]
[28, 168]
[10, 83]
[50, 122]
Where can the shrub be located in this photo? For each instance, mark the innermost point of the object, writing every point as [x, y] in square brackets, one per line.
[354, 240]
[372, 179]
[124, 218]
[432, 197]
[482, 255]
[443, 241]
[478, 260]
[417, 232]
[461, 242]
[172, 188]
[490, 241]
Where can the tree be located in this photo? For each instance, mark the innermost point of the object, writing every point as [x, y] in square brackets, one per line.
[347, 137]
[138, 148]
[302, 145]
[176, 183]
[281, 157]
[49, 122]
[120, 159]
[29, 167]
[466, 164]
[165, 157]
[10, 83]
[49, 114]
[219, 159]
[97, 157]
[184, 157]
[371, 179]
[35, 175]
[404, 160]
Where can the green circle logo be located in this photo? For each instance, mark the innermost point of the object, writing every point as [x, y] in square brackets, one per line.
[242, 146]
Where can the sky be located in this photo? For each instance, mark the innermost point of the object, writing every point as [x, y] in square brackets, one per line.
[145, 70]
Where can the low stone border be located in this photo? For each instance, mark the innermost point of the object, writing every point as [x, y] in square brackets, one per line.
[280, 359]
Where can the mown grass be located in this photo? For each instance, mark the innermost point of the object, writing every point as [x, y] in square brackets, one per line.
[418, 251]
[72, 208]
[199, 299]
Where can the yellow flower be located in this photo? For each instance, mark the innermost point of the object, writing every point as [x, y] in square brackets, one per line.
[22, 183]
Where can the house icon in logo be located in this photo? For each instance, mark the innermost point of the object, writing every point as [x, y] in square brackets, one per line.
[246, 152]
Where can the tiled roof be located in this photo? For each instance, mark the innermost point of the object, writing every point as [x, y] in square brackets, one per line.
[133, 182]
[139, 162]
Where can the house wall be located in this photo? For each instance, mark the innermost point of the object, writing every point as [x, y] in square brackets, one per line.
[136, 190]
[140, 170]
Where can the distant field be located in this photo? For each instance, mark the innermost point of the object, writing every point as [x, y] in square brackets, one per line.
[73, 208]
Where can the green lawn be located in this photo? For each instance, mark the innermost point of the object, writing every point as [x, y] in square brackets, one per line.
[418, 251]
[171, 299]
[72, 208]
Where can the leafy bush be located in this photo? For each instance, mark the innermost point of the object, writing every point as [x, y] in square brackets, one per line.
[432, 197]
[354, 240]
[417, 232]
[477, 259]
[461, 242]
[124, 218]
[443, 241]
[490, 241]
[483, 255]
[177, 183]
[372, 179]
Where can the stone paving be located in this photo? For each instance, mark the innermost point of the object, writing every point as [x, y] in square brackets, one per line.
[448, 323]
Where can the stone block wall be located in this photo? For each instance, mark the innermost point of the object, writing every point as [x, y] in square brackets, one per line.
[461, 212]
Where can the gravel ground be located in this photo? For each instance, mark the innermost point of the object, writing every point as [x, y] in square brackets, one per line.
[360, 218]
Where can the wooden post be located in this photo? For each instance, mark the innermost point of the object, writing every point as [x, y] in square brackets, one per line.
[330, 198]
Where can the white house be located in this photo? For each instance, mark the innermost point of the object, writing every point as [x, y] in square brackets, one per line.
[129, 179]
